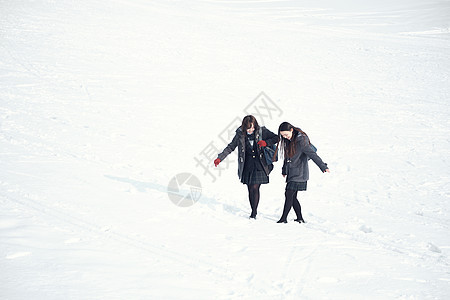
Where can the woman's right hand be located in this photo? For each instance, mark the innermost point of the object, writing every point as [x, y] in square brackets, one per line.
[217, 162]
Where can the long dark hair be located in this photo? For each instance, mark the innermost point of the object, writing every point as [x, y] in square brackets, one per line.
[288, 146]
[247, 123]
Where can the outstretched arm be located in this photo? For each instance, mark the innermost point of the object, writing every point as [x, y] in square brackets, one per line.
[309, 151]
[229, 148]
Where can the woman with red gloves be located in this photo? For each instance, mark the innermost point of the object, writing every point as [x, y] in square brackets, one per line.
[253, 169]
[297, 151]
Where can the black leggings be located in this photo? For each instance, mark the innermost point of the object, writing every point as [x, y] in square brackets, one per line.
[291, 201]
[253, 197]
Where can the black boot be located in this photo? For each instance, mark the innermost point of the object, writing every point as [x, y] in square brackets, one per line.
[300, 220]
[282, 221]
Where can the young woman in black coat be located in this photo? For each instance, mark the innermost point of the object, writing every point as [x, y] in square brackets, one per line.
[297, 149]
[252, 166]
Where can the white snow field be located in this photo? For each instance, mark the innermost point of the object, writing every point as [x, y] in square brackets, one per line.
[103, 103]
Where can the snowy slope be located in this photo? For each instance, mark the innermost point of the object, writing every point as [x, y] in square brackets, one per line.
[102, 103]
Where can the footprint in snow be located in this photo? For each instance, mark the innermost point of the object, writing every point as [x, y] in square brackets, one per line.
[365, 229]
[433, 248]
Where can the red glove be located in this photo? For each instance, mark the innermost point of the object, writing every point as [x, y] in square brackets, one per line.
[262, 143]
[217, 161]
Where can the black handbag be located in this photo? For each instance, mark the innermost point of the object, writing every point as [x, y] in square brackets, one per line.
[269, 152]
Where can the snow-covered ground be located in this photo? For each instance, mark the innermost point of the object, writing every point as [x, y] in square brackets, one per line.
[102, 103]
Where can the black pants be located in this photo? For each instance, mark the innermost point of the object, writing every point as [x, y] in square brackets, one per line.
[291, 201]
[253, 197]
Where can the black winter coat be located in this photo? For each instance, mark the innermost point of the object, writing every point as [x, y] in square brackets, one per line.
[296, 167]
[239, 141]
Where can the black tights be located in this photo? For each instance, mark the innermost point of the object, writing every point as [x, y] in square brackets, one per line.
[253, 196]
[291, 201]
